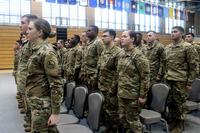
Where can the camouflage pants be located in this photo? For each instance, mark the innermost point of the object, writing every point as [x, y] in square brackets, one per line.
[110, 110]
[40, 113]
[129, 111]
[176, 100]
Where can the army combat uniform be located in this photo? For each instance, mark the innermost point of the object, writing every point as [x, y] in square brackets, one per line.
[91, 56]
[154, 54]
[44, 87]
[133, 83]
[197, 47]
[180, 68]
[107, 83]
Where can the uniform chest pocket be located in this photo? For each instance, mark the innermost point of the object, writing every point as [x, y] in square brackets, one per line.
[92, 51]
[131, 69]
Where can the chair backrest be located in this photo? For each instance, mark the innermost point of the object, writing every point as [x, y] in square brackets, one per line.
[194, 94]
[80, 96]
[160, 93]
[95, 103]
[69, 95]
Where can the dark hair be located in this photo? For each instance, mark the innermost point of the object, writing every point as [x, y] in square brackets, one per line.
[190, 34]
[30, 17]
[77, 38]
[132, 34]
[42, 24]
[111, 32]
[95, 28]
[179, 28]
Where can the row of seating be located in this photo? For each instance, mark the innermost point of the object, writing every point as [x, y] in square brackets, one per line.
[77, 96]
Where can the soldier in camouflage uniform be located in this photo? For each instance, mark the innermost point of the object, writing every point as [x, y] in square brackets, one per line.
[189, 37]
[91, 56]
[44, 83]
[24, 55]
[70, 58]
[133, 83]
[117, 42]
[180, 69]
[107, 77]
[154, 52]
[139, 44]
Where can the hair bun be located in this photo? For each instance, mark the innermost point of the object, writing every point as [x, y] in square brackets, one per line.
[52, 34]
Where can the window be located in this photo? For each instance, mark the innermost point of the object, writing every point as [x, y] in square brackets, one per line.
[64, 14]
[12, 10]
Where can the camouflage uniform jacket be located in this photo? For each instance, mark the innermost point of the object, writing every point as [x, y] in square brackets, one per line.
[107, 69]
[154, 54]
[24, 56]
[142, 47]
[180, 62]
[91, 56]
[197, 47]
[133, 75]
[43, 79]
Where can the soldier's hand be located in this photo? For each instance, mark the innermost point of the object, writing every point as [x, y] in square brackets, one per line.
[189, 87]
[158, 78]
[53, 119]
[142, 101]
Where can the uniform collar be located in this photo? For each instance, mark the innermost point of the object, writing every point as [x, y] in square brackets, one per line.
[38, 45]
[178, 44]
[152, 45]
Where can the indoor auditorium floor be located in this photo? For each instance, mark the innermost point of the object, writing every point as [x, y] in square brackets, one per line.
[12, 121]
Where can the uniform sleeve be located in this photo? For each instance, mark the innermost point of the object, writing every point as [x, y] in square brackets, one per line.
[100, 48]
[160, 52]
[142, 65]
[56, 84]
[193, 63]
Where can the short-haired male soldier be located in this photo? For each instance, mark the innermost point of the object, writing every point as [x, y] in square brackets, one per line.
[107, 79]
[189, 37]
[180, 69]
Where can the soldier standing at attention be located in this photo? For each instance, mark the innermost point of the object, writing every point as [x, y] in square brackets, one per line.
[24, 56]
[107, 76]
[180, 69]
[154, 52]
[189, 37]
[44, 83]
[91, 56]
[133, 83]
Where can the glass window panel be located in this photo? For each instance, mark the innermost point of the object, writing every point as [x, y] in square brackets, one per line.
[73, 12]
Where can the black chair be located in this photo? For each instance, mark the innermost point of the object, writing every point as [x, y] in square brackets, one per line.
[194, 96]
[95, 103]
[148, 117]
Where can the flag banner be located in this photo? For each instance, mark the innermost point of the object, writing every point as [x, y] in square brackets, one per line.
[160, 11]
[72, 2]
[171, 12]
[127, 5]
[83, 2]
[181, 15]
[62, 1]
[141, 7]
[133, 6]
[111, 4]
[51, 1]
[102, 3]
[147, 8]
[177, 14]
[119, 5]
[93, 3]
[154, 10]
[166, 12]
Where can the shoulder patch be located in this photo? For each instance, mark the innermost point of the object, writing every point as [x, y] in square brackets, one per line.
[51, 64]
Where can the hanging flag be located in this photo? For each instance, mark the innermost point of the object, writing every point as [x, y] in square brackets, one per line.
[176, 13]
[93, 3]
[141, 7]
[186, 15]
[148, 9]
[102, 3]
[111, 4]
[133, 6]
[62, 1]
[160, 11]
[83, 2]
[181, 15]
[154, 10]
[127, 5]
[119, 5]
[72, 2]
[171, 12]
[166, 12]
[51, 1]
